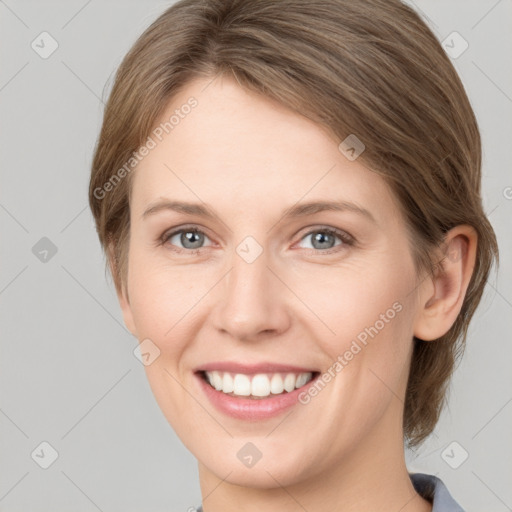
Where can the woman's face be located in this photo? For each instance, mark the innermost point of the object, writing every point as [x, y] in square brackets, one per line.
[268, 286]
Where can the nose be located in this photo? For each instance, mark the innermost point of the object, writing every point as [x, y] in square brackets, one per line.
[252, 302]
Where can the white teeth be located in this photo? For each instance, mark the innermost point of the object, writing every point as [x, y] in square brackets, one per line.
[227, 383]
[289, 382]
[242, 385]
[216, 381]
[260, 385]
[301, 380]
[276, 384]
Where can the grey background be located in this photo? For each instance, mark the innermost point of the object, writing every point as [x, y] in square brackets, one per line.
[68, 375]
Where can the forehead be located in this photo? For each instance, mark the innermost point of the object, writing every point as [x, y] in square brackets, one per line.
[234, 146]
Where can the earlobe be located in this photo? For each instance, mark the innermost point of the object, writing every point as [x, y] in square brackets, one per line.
[442, 296]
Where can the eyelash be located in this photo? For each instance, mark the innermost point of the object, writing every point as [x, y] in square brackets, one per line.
[346, 239]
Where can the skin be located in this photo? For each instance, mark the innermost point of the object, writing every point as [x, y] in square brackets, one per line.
[248, 159]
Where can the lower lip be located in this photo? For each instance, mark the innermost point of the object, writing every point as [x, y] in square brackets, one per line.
[249, 408]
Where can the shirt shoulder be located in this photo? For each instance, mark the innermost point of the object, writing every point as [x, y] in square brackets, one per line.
[433, 489]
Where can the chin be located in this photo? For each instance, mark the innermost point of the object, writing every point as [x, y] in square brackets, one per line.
[277, 466]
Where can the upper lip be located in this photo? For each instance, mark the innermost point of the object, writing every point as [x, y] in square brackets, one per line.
[263, 367]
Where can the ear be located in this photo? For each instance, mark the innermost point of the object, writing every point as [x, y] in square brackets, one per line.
[121, 291]
[442, 295]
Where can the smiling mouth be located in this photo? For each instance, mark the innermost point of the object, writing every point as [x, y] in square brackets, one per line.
[257, 386]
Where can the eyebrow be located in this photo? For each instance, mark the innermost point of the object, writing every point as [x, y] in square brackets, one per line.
[297, 210]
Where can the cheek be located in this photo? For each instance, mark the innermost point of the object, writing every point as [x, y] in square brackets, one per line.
[366, 330]
[165, 298]
[163, 303]
[356, 301]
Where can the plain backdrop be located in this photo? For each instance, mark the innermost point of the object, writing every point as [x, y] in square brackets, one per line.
[68, 375]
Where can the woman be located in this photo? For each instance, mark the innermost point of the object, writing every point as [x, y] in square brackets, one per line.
[288, 194]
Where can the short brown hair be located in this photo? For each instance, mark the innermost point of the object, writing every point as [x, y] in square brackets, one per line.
[370, 68]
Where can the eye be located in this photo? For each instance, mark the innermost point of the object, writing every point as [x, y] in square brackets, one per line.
[190, 239]
[322, 239]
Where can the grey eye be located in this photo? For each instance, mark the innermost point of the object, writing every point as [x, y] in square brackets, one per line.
[187, 238]
[322, 239]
